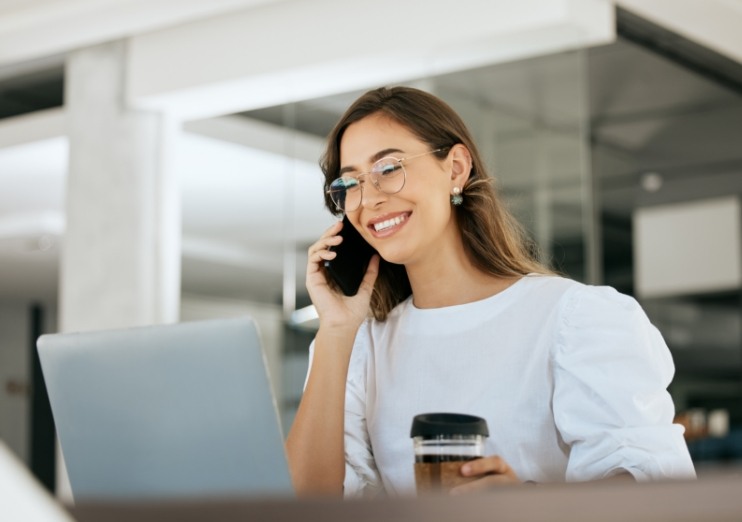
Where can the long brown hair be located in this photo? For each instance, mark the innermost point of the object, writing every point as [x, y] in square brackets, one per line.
[493, 239]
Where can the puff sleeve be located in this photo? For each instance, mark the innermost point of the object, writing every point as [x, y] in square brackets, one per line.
[610, 399]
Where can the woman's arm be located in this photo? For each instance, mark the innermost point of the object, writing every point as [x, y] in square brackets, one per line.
[315, 445]
[611, 405]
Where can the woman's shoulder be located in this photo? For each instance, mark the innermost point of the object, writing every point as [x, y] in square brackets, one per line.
[550, 288]
[572, 289]
[575, 299]
[549, 283]
[585, 307]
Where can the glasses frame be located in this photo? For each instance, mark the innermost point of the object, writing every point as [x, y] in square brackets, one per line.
[374, 177]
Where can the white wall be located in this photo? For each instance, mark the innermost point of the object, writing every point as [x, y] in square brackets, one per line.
[688, 248]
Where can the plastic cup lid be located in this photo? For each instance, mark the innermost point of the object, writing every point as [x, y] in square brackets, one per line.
[428, 425]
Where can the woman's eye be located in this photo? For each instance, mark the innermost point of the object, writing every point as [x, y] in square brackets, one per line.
[344, 184]
[351, 183]
[387, 169]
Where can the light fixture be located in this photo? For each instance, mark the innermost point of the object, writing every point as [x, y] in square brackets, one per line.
[652, 181]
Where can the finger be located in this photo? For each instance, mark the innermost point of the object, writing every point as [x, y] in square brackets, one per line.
[484, 466]
[333, 229]
[372, 272]
[322, 255]
[485, 483]
[323, 244]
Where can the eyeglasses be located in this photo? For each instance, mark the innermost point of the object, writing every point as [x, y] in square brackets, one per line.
[388, 176]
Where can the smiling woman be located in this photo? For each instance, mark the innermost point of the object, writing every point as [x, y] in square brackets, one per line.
[570, 378]
[495, 241]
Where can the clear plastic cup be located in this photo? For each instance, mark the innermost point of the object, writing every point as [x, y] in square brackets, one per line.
[443, 442]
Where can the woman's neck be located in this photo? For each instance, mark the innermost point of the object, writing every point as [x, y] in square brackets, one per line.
[451, 279]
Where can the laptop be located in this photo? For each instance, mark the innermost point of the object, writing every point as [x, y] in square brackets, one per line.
[162, 412]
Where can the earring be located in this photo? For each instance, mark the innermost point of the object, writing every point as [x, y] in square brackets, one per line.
[456, 198]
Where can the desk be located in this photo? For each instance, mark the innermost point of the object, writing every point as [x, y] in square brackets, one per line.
[712, 499]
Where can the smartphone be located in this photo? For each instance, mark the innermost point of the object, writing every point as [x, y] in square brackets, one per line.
[351, 262]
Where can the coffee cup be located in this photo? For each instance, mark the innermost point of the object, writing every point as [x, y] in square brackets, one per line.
[443, 442]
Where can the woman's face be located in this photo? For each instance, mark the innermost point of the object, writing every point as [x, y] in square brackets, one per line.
[416, 222]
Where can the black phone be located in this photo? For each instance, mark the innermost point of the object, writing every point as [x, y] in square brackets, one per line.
[351, 262]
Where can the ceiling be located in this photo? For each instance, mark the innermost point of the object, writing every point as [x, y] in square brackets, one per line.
[242, 225]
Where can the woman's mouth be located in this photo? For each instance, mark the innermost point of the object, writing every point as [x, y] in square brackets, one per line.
[386, 226]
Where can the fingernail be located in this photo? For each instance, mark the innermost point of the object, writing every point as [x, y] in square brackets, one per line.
[466, 470]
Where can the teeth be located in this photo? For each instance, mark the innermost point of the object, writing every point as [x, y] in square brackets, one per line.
[389, 223]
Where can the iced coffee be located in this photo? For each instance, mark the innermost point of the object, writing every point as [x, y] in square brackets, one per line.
[443, 442]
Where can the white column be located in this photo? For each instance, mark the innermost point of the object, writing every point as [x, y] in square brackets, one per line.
[121, 255]
[120, 262]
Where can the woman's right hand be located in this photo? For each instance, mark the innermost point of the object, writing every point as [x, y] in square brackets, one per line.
[334, 308]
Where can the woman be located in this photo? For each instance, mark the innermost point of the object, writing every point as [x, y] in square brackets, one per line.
[571, 378]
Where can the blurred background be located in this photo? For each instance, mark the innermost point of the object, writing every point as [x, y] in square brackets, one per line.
[159, 163]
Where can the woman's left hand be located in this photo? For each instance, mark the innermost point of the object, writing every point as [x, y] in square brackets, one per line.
[492, 471]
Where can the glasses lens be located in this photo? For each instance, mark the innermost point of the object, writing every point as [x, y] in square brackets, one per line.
[389, 175]
[346, 193]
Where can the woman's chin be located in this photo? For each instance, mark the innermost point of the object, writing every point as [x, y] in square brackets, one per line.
[396, 258]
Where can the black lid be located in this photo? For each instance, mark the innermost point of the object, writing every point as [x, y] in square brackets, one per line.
[435, 424]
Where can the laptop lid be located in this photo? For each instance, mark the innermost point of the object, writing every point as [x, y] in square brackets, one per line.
[166, 411]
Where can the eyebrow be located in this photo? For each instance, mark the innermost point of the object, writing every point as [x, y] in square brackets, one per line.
[373, 159]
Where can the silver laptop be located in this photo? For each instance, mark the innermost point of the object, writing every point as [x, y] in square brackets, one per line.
[166, 411]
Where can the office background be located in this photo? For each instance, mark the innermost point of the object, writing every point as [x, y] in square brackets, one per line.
[158, 162]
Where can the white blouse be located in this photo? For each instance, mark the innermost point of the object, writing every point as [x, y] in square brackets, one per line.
[572, 381]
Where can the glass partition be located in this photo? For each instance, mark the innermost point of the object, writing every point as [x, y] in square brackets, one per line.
[529, 119]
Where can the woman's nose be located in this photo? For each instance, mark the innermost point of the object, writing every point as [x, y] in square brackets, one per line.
[372, 196]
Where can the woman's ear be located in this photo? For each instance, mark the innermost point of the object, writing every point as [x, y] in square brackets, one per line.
[460, 165]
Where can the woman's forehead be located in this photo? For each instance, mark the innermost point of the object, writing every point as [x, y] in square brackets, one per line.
[363, 139]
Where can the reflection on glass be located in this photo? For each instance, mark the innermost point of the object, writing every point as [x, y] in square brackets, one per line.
[529, 119]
